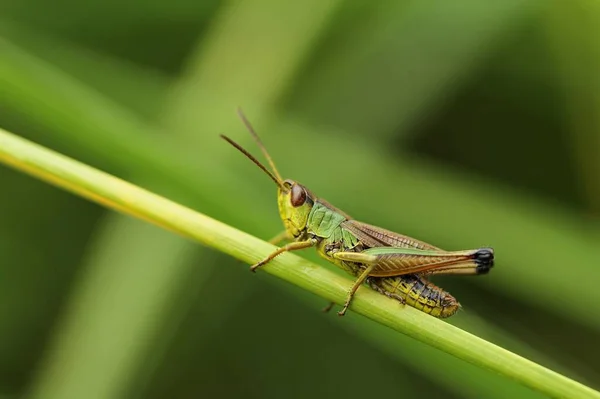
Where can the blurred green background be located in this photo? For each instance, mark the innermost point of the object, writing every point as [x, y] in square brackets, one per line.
[464, 125]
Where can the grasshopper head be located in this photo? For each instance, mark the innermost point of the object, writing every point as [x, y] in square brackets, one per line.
[295, 203]
[294, 200]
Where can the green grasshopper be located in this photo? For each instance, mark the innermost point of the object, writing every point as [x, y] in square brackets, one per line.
[391, 263]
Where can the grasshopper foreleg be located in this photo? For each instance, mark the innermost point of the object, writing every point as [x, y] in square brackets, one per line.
[289, 247]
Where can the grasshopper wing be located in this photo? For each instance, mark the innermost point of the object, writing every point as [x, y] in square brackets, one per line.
[373, 236]
[395, 261]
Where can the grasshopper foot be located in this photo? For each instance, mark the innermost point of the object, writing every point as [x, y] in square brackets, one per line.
[343, 311]
[256, 266]
[327, 308]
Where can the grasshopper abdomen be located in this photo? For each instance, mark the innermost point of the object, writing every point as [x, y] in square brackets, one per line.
[417, 292]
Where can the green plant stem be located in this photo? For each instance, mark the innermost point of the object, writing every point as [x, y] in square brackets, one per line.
[117, 194]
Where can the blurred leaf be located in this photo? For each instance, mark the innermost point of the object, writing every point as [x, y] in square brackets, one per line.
[144, 32]
[390, 69]
[140, 89]
[244, 63]
[572, 30]
[99, 342]
[36, 268]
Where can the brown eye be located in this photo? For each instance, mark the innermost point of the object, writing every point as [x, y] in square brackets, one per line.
[298, 195]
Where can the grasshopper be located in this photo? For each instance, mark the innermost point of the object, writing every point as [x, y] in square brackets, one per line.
[391, 263]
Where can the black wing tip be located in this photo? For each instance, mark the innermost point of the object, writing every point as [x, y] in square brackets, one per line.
[484, 258]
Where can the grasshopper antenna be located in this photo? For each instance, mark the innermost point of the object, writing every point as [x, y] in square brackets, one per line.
[256, 161]
[259, 142]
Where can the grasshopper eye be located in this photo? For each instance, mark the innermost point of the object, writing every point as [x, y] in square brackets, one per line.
[298, 196]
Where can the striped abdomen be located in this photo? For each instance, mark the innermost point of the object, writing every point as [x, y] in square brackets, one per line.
[417, 292]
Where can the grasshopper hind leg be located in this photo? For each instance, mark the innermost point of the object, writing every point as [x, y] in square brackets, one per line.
[371, 283]
[392, 295]
[359, 281]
